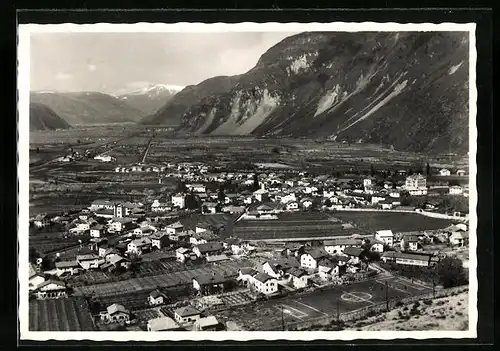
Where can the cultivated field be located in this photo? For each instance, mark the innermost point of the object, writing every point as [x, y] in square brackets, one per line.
[321, 303]
[70, 314]
[397, 222]
[291, 225]
[227, 268]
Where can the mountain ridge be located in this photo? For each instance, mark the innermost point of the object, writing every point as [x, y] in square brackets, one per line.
[405, 89]
[43, 117]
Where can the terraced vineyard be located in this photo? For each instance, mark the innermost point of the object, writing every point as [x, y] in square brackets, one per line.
[147, 284]
[71, 314]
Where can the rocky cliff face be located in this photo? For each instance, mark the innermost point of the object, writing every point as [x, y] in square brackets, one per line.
[407, 89]
[171, 113]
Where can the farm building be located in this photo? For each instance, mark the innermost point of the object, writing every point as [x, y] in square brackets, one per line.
[70, 267]
[409, 243]
[89, 261]
[160, 240]
[51, 289]
[354, 254]
[265, 284]
[246, 274]
[35, 280]
[216, 258]
[115, 313]
[162, 324]
[208, 249]
[337, 246]
[298, 277]
[156, 298]
[385, 236]
[202, 237]
[328, 268]
[187, 315]
[207, 284]
[406, 258]
[209, 323]
[310, 259]
[278, 268]
[97, 231]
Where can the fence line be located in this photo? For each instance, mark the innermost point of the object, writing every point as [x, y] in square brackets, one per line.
[423, 213]
[377, 308]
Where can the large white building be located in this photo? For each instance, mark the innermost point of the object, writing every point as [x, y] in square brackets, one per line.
[385, 236]
[179, 200]
[416, 185]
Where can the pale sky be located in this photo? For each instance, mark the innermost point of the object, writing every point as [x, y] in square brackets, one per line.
[112, 62]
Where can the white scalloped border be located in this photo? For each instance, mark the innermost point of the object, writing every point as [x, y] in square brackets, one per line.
[23, 178]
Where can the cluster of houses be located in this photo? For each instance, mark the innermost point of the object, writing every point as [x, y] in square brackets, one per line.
[183, 318]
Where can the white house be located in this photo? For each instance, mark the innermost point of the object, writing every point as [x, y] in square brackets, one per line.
[444, 172]
[261, 194]
[80, 228]
[162, 324]
[327, 269]
[35, 281]
[139, 246]
[461, 172]
[416, 185]
[104, 158]
[115, 313]
[310, 259]
[265, 284]
[456, 190]
[51, 289]
[156, 298]
[97, 231]
[337, 246]
[409, 243]
[158, 206]
[196, 188]
[179, 200]
[376, 198]
[174, 228]
[292, 206]
[159, 240]
[385, 236]
[246, 274]
[287, 198]
[89, 261]
[70, 267]
[186, 315]
[298, 278]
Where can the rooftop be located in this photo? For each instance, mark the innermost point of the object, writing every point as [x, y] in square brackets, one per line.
[162, 324]
[186, 311]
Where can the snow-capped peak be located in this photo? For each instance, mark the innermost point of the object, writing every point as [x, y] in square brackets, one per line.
[157, 89]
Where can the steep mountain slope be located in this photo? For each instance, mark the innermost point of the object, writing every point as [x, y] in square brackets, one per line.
[172, 112]
[150, 98]
[88, 107]
[407, 89]
[44, 118]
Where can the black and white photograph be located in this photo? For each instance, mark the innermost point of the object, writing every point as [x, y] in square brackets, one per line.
[293, 181]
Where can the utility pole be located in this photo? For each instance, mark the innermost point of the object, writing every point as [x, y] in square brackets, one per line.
[338, 310]
[282, 319]
[434, 289]
[386, 296]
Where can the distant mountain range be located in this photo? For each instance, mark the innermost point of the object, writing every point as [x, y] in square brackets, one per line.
[44, 118]
[88, 107]
[407, 89]
[171, 113]
[150, 98]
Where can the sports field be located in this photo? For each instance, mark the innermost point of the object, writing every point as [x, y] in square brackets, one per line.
[268, 315]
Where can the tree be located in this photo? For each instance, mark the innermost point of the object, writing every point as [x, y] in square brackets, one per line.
[372, 170]
[410, 172]
[37, 150]
[276, 150]
[450, 272]
[33, 255]
[221, 196]
[256, 184]
[328, 203]
[428, 169]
